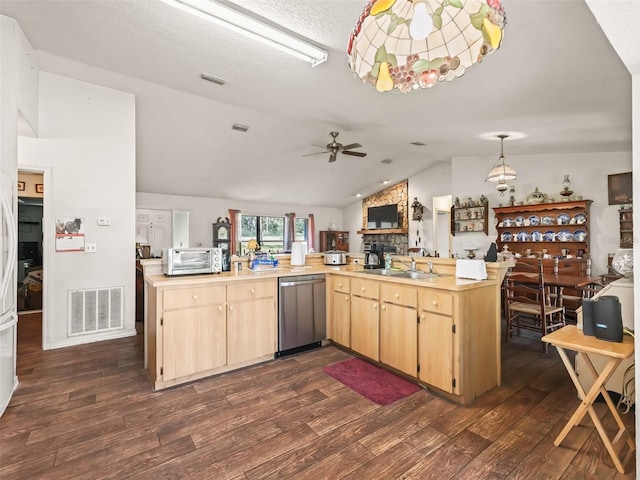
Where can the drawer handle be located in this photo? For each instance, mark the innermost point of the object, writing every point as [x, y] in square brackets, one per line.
[195, 297]
[219, 309]
[384, 307]
[346, 299]
[397, 295]
[340, 285]
[433, 302]
[363, 289]
[230, 307]
[375, 306]
[253, 291]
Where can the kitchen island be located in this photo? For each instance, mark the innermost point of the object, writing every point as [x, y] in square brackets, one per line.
[443, 332]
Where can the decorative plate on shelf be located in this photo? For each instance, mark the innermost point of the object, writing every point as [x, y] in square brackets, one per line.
[523, 237]
[534, 220]
[519, 221]
[564, 236]
[507, 222]
[549, 236]
[536, 236]
[506, 236]
[580, 218]
[546, 220]
[563, 219]
[579, 236]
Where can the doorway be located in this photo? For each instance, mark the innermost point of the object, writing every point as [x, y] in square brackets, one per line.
[29, 272]
[442, 225]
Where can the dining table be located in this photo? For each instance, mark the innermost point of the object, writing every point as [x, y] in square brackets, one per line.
[560, 281]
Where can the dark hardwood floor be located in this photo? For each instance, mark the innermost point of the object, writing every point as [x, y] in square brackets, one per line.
[89, 412]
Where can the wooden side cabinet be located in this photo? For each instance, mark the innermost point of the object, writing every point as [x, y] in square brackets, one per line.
[334, 240]
[626, 227]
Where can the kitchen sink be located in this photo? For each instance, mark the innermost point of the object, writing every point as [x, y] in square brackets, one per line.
[416, 275]
[381, 271]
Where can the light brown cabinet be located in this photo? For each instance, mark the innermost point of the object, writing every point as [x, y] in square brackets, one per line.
[399, 327]
[365, 317]
[436, 346]
[203, 329]
[339, 309]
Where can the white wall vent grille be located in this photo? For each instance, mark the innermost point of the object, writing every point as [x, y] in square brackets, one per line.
[95, 310]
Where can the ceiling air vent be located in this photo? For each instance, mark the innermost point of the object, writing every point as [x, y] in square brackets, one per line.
[239, 128]
[418, 144]
[386, 161]
[212, 79]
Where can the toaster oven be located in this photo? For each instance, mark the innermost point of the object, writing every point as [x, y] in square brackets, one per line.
[191, 261]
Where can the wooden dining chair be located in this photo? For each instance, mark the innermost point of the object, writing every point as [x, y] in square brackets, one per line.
[529, 305]
[572, 297]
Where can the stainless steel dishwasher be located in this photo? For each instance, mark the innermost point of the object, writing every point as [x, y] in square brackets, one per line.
[301, 313]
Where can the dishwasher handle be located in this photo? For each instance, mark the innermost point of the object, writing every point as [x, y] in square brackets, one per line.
[304, 282]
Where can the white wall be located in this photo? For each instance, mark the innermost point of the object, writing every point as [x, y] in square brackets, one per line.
[205, 211]
[88, 145]
[588, 175]
[465, 178]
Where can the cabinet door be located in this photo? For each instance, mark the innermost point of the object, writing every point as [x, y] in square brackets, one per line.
[193, 340]
[399, 338]
[365, 324]
[251, 330]
[341, 319]
[435, 351]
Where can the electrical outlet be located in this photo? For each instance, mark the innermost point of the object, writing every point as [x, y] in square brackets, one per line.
[104, 221]
[90, 248]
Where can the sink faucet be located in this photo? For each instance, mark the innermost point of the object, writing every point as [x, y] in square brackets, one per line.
[412, 267]
[430, 265]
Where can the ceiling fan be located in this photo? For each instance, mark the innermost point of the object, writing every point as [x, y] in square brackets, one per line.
[334, 147]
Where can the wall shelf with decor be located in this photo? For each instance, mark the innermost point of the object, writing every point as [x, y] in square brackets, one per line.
[334, 240]
[470, 217]
[556, 229]
[626, 226]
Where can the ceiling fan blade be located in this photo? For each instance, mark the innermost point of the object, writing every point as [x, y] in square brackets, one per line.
[317, 153]
[355, 154]
[333, 156]
[351, 145]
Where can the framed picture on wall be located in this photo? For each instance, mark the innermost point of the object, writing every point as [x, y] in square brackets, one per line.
[20, 186]
[39, 188]
[620, 188]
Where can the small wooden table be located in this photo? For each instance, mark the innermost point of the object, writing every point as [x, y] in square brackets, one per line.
[571, 338]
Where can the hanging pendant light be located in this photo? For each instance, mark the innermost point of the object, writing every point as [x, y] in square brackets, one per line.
[501, 171]
[406, 45]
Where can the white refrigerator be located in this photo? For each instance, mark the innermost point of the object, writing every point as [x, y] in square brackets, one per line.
[8, 314]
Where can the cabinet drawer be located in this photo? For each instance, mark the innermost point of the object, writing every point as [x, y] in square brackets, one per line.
[341, 284]
[365, 288]
[399, 294]
[435, 301]
[249, 291]
[192, 297]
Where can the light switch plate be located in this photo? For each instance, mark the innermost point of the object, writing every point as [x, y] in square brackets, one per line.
[104, 221]
[90, 248]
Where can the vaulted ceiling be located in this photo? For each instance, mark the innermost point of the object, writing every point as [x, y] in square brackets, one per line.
[556, 78]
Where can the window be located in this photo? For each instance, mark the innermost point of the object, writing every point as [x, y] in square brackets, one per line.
[269, 232]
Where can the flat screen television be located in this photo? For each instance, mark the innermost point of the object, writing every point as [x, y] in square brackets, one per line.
[385, 216]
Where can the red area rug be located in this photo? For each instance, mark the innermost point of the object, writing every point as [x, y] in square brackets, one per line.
[370, 381]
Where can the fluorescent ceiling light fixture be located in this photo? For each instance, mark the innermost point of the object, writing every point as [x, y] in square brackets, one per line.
[241, 21]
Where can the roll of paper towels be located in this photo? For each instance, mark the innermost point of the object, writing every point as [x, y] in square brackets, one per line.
[298, 253]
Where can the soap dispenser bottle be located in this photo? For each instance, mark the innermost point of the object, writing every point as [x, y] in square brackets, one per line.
[387, 261]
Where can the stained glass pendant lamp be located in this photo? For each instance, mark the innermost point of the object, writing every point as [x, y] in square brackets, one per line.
[412, 44]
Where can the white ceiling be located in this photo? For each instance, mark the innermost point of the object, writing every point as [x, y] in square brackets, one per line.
[555, 78]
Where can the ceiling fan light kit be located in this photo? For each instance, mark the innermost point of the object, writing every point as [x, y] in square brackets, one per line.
[407, 45]
[234, 18]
